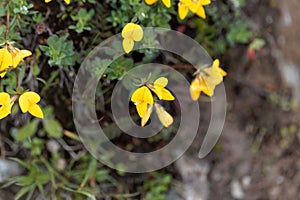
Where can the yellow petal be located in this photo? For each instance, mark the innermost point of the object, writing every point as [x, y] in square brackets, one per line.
[141, 108]
[205, 2]
[216, 74]
[4, 98]
[137, 34]
[4, 111]
[164, 117]
[157, 90]
[31, 96]
[142, 94]
[150, 2]
[182, 10]
[162, 81]
[19, 55]
[5, 106]
[201, 12]
[36, 111]
[167, 3]
[127, 30]
[160, 91]
[47, 1]
[147, 115]
[195, 89]
[27, 99]
[216, 64]
[167, 95]
[132, 31]
[194, 5]
[128, 45]
[5, 60]
[67, 1]
[201, 84]
[207, 84]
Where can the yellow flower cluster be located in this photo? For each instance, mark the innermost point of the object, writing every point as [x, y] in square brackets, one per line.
[134, 33]
[27, 101]
[66, 1]
[195, 6]
[143, 100]
[206, 80]
[184, 6]
[11, 59]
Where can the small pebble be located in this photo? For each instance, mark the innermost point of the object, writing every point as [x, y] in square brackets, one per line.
[236, 190]
[246, 181]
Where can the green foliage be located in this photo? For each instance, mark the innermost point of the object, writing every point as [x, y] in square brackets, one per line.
[157, 187]
[239, 33]
[118, 68]
[257, 44]
[28, 130]
[82, 18]
[59, 50]
[136, 10]
[35, 179]
[35, 146]
[225, 30]
[53, 128]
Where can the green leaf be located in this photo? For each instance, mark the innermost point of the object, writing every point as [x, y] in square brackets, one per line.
[60, 51]
[53, 128]
[24, 190]
[28, 130]
[239, 33]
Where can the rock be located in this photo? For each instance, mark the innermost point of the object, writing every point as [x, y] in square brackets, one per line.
[9, 169]
[194, 174]
[236, 190]
[173, 195]
[246, 181]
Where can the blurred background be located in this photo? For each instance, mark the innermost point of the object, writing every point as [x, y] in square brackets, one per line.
[257, 155]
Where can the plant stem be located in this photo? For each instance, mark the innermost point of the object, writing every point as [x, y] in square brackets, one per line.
[7, 23]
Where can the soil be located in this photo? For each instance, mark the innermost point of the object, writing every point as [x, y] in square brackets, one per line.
[255, 150]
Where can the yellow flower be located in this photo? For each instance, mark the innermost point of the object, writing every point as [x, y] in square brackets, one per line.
[207, 80]
[5, 61]
[195, 6]
[28, 103]
[199, 85]
[183, 8]
[66, 1]
[131, 32]
[158, 87]
[18, 55]
[141, 98]
[164, 117]
[167, 3]
[5, 106]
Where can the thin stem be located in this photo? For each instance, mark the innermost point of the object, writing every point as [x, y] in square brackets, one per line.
[17, 78]
[7, 22]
